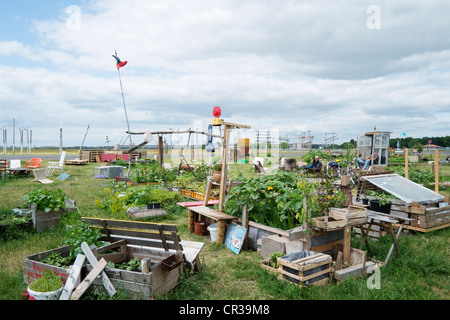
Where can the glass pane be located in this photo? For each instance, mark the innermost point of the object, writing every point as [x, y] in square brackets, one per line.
[405, 189]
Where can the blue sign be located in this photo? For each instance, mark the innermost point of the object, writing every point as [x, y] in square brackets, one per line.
[235, 237]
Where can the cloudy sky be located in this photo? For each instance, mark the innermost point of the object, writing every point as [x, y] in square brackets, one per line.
[342, 67]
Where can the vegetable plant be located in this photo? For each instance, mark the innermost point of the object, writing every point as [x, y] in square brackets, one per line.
[45, 199]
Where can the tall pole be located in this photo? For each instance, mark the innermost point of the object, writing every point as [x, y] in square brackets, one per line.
[125, 107]
[14, 135]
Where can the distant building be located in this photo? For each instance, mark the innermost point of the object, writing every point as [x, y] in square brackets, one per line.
[430, 147]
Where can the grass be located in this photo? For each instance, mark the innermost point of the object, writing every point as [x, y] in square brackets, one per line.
[420, 273]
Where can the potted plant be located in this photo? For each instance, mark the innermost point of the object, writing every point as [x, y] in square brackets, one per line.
[381, 201]
[48, 287]
[217, 172]
[47, 207]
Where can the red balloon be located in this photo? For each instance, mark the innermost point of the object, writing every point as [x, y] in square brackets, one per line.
[217, 112]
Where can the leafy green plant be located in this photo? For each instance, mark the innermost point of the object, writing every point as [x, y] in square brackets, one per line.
[131, 265]
[277, 200]
[48, 282]
[77, 234]
[217, 167]
[273, 258]
[45, 199]
[384, 198]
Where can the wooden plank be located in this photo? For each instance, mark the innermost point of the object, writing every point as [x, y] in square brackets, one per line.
[347, 244]
[93, 261]
[86, 283]
[112, 223]
[74, 278]
[211, 213]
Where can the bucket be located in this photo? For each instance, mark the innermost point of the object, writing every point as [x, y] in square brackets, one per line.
[212, 228]
[53, 295]
[200, 228]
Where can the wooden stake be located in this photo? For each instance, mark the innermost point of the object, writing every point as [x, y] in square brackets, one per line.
[74, 278]
[406, 163]
[436, 170]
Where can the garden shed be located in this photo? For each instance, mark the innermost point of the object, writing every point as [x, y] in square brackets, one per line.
[374, 142]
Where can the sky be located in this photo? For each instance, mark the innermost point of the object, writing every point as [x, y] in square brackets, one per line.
[338, 68]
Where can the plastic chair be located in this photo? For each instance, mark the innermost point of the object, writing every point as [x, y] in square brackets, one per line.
[34, 163]
[57, 165]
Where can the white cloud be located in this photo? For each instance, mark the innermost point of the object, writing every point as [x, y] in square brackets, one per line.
[292, 65]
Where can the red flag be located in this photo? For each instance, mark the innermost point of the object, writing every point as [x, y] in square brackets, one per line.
[119, 64]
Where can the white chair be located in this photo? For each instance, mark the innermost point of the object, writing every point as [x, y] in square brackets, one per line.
[40, 175]
[15, 164]
[56, 165]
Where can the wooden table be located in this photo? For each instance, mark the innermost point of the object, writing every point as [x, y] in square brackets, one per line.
[387, 222]
[202, 212]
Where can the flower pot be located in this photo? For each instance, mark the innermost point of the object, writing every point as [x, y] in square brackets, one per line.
[200, 228]
[217, 176]
[365, 201]
[52, 295]
[375, 206]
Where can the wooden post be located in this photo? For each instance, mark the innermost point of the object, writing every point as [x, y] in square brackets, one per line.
[347, 244]
[436, 170]
[161, 150]
[223, 179]
[406, 163]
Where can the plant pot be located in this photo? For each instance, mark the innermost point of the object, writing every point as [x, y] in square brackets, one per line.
[375, 206]
[52, 295]
[217, 176]
[365, 201]
[200, 228]
[153, 205]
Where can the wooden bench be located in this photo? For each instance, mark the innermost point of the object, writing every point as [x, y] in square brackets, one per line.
[201, 213]
[154, 235]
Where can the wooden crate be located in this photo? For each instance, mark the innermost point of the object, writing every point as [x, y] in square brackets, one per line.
[353, 215]
[142, 240]
[154, 280]
[329, 223]
[45, 220]
[311, 269]
[34, 267]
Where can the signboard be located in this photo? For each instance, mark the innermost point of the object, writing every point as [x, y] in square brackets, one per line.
[235, 237]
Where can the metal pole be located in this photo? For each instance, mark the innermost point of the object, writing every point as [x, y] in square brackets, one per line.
[124, 106]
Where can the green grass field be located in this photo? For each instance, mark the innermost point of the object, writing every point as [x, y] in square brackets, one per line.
[420, 273]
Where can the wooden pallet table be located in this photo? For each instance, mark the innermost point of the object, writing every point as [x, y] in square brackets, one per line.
[201, 213]
[387, 222]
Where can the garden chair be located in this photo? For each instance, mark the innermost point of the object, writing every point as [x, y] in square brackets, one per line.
[34, 163]
[57, 165]
[40, 175]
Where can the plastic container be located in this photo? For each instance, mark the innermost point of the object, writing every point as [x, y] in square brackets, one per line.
[212, 228]
[53, 295]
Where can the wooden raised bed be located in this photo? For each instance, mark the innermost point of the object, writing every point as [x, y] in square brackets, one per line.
[154, 279]
[148, 242]
[33, 267]
[45, 220]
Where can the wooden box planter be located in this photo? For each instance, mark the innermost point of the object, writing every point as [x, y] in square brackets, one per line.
[196, 195]
[151, 243]
[303, 268]
[33, 267]
[329, 222]
[44, 220]
[157, 277]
